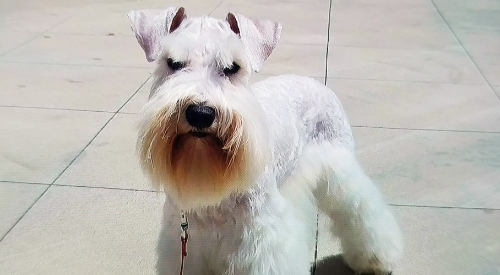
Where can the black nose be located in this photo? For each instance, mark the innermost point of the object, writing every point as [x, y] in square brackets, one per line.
[200, 116]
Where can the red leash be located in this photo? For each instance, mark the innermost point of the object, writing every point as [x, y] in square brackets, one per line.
[184, 240]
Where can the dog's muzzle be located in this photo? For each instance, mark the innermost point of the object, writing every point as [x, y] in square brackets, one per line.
[200, 116]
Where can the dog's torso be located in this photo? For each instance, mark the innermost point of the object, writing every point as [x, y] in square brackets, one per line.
[301, 112]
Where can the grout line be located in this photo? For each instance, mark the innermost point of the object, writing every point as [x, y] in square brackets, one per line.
[444, 207]
[71, 162]
[423, 129]
[23, 182]
[74, 65]
[315, 262]
[466, 52]
[132, 96]
[404, 81]
[107, 188]
[218, 5]
[54, 108]
[24, 214]
[327, 47]
[381, 80]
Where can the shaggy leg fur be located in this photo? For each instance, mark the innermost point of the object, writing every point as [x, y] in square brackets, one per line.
[370, 237]
[276, 243]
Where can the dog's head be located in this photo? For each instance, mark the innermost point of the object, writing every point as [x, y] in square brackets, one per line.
[202, 133]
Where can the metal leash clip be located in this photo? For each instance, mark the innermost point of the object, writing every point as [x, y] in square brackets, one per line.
[184, 239]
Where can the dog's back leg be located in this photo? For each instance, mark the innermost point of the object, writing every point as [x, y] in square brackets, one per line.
[370, 237]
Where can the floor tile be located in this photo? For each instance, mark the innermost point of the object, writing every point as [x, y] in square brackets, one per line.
[479, 42]
[363, 15]
[69, 87]
[433, 168]
[33, 19]
[192, 7]
[489, 65]
[383, 3]
[367, 24]
[446, 5]
[438, 241]
[110, 160]
[37, 144]
[135, 104]
[96, 22]
[496, 89]
[396, 37]
[10, 40]
[402, 65]
[308, 60]
[15, 200]
[419, 105]
[483, 19]
[480, 15]
[65, 49]
[85, 231]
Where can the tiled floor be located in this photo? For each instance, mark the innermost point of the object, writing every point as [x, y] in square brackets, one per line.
[419, 79]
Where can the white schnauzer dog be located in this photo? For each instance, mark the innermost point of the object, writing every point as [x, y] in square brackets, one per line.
[249, 166]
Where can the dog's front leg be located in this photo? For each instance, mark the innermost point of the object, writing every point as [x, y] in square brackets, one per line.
[370, 237]
[273, 242]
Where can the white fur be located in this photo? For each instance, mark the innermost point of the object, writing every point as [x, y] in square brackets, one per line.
[300, 148]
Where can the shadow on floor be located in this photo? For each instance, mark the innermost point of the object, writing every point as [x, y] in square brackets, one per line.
[333, 265]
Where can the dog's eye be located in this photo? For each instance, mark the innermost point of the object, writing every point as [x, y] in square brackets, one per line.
[234, 68]
[175, 65]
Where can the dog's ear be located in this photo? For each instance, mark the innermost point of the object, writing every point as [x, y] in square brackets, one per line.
[150, 26]
[259, 36]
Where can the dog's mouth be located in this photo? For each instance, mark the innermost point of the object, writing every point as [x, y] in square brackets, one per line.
[197, 134]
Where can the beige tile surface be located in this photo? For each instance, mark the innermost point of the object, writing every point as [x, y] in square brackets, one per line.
[32, 19]
[453, 5]
[68, 87]
[394, 36]
[306, 60]
[489, 65]
[85, 231]
[496, 89]
[389, 4]
[402, 65]
[66, 49]
[38, 144]
[134, 105]
[438, 241]
[9, 40]
[486, 19]
[193, 7]
[96, 22]
[479, 42]
[110, 160]
[15, 200]
[432, 168]
[366, 24]
[419, 105]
